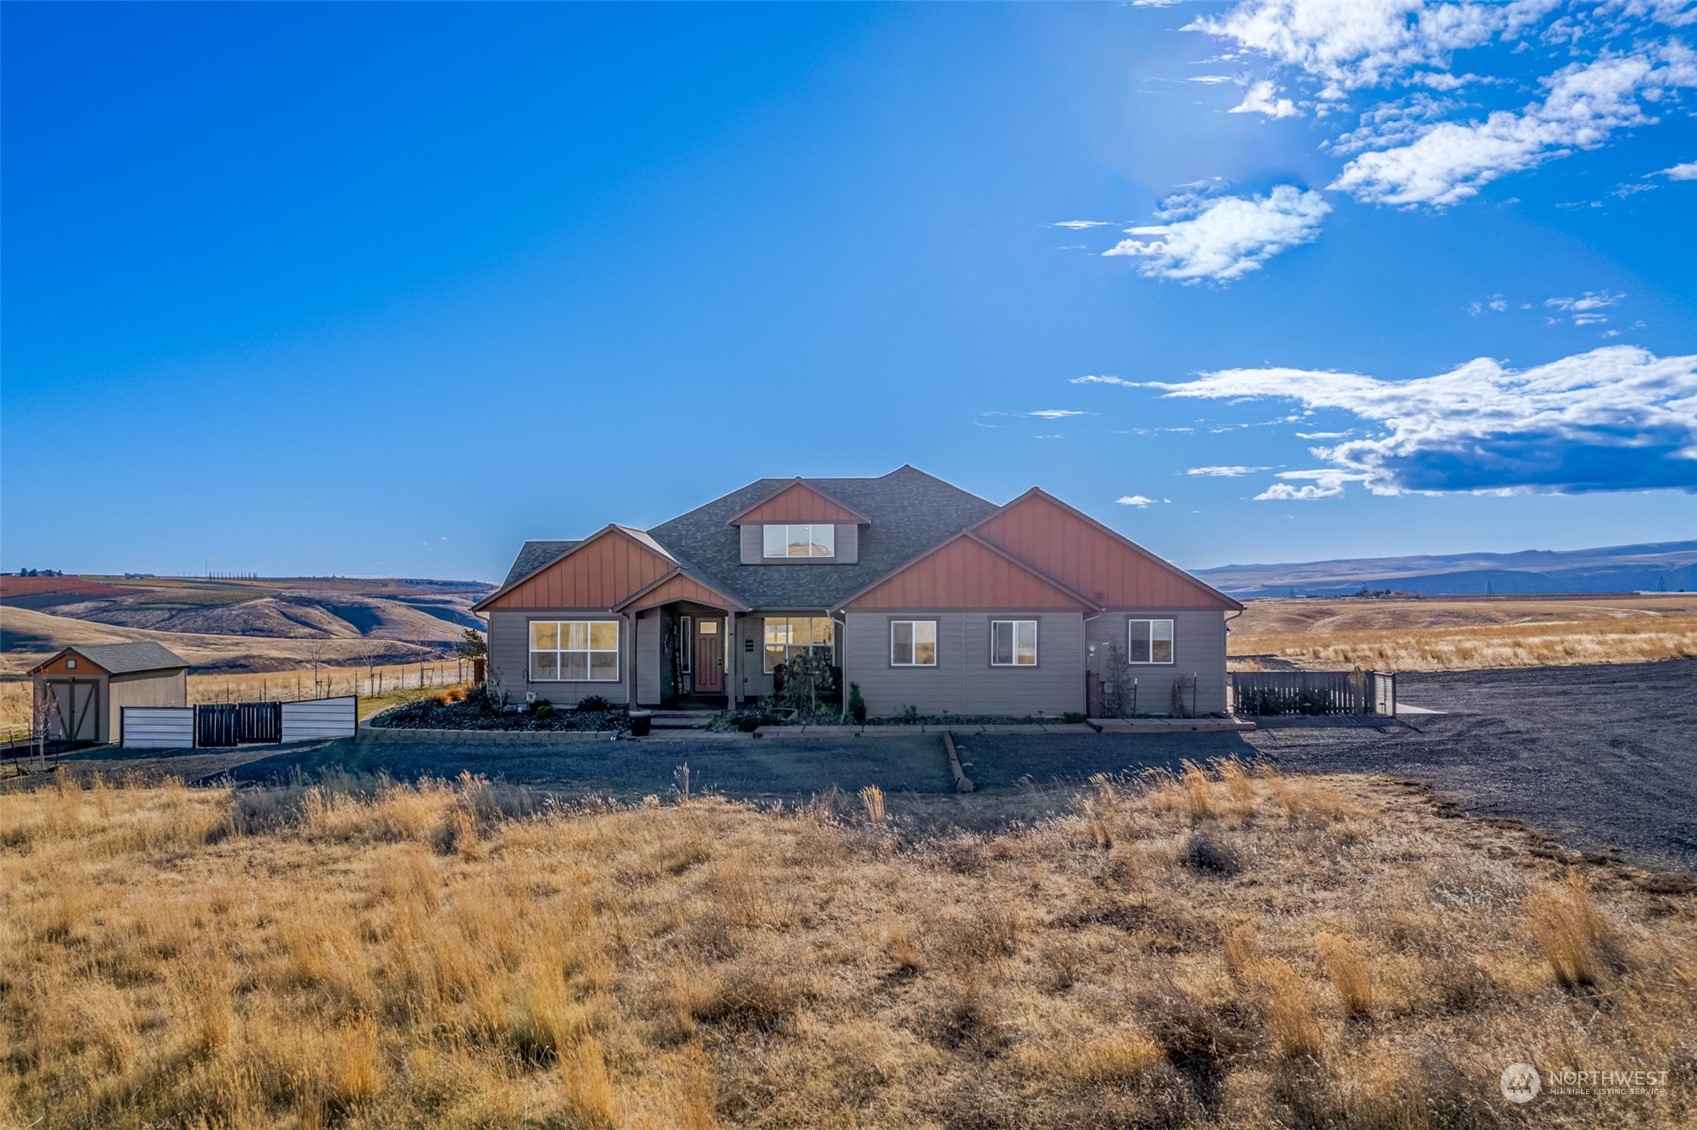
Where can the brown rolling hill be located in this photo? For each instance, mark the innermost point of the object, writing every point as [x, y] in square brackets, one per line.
[238, 625]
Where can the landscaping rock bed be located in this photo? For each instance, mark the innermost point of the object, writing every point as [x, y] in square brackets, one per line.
[482, 712]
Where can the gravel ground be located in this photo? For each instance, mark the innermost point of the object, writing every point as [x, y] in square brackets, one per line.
[1600, 757]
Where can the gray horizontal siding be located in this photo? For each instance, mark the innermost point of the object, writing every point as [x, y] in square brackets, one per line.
[648, 657]
[753, 542]
[963, 681]
[1199, 648]
[509, 657]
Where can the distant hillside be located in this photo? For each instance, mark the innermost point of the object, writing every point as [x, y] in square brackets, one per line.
[256, 624]
[1669, 566]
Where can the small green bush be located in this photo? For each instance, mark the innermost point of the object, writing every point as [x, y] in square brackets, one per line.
[857, 705]
[592, 704]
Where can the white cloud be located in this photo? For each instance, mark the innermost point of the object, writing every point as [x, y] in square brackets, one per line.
[1081, 225]
[1590, 300]
[1093, 379]
[1224, 472]
[1686, 171]
[1211, 80]
[1262, 98]
[1228, 237]
[1615, 418]
[1324, 435]
[1057, 413]
[1137, 500]
[1344, 46]
[1585, 103]
[1392, 123]
[1321, 484]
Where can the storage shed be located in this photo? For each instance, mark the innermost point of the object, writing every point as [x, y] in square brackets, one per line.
[86, 688]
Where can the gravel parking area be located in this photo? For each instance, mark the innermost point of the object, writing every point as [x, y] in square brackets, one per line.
[1601, 757]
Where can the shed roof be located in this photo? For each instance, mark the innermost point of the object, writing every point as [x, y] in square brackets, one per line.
[125, 658]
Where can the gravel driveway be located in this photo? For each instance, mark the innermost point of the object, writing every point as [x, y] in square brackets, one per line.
[1601, 757]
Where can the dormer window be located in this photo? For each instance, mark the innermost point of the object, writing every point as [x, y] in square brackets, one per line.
[810, 540]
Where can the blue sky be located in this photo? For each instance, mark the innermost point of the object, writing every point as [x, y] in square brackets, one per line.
[386, 289]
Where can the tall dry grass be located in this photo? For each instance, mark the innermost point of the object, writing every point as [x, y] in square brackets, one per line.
[1439, 635]
[354, 952]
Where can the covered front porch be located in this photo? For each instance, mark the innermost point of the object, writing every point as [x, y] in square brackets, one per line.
[685, 645]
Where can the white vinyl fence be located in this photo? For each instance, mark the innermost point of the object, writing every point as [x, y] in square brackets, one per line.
[320, 718]
[156, 727]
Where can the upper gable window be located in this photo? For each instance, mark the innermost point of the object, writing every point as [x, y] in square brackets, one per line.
[813, 540]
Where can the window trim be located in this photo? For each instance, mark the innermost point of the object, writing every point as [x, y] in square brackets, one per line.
[788, 541]
[558, 652]
[1035, 652]
[913, 644]
[789, 648]
[1172, 641]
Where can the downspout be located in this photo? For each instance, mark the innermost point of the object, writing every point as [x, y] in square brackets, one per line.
[1086, 688]
[842, 650]
[1228, 623]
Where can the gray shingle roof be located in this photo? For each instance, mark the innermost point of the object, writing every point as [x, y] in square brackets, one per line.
[533, 556]
[127, 658]
[909, 513]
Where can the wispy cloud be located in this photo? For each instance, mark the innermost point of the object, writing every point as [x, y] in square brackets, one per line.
[1093, 379]
[1615, 418]
[1211, 80]
[1584, 105]
[1137, 500]
[1081, 225]
[1058, 413]
[1321, 484]
[1224, 472]
[1225, 238]
[1685, 171]
[1263, 98]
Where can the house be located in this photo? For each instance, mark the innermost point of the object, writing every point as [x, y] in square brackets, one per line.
[922, 593]
[82, 691]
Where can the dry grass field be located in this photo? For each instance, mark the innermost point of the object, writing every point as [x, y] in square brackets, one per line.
[1235, 949]
[1448, 634]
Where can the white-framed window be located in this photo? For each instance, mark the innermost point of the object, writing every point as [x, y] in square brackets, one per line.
[1149, 641]
[574, 651]
[686, 643]
[787, 635]
[913, 643]
[1013, 643]
[817, 539]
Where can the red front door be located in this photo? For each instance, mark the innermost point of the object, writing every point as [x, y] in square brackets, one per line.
[709, 658]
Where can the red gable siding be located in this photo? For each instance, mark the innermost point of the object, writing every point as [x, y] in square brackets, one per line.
[964, 573]
[1090, 560]
[597, 574]
[797, 502]
[680, 587]
[56, 666]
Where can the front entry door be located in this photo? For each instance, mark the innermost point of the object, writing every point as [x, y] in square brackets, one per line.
[709, 658]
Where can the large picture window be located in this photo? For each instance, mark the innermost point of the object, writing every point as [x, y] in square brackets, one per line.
[813, 540]
[574, 651]
[1149, 641]
[787, 635]
[913, 643]
[1013, 643]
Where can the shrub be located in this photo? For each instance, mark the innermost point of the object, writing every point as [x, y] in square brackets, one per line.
[541, 708]
[592, 704]
[856, 704]
[1072, 718]
[1208, 853]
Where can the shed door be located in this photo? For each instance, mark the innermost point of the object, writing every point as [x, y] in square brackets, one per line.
[709, 658]
[73, 709]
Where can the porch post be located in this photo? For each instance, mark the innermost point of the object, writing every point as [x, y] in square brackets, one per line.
[733, 661]
[629, 619]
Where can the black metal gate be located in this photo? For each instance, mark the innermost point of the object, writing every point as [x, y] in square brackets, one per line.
[238, 723]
